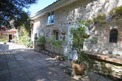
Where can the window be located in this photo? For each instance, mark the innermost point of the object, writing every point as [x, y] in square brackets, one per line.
[35, 35]
[50, 19]
[113, 36]
[56, 34]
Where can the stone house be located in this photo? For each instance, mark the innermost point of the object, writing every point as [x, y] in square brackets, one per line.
[56, 20]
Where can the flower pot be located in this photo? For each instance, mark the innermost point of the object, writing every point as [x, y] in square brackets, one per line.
[63, 33]
[78, 69]
[86, 36]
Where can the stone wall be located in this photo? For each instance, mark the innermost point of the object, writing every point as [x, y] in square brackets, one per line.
[67, 16]
[108, 69]
[102, 44]
[108, 65]
[38, 26]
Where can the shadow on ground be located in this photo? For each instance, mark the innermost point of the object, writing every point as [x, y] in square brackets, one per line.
[27, 65]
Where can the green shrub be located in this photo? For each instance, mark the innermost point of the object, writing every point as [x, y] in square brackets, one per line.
[29, 43]
[40, 40]
[116, 11]
[100, 18]
[55, 43]
[3, 40]
[23, 40]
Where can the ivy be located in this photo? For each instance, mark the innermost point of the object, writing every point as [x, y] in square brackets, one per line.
[116, 12]
[79, 35]
[55, 43]
[101, 18]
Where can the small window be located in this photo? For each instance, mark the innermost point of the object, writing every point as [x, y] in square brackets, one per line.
[113, 36]
[50, 19]
[35, 35]
[56, 34]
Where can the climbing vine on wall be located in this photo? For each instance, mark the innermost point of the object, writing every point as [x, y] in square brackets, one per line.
[99, 19]
[116, 12]
[55, 43]
[79, 35]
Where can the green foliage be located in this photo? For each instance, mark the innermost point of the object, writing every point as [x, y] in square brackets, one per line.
[23, 39]
[29, 43]
[41, 40]
[83, 57]
[23, 21]
[55, 43]
[2, 40]
[12, 9]
[79, 35]
[100, 18]
[116, 12]
[23, 35]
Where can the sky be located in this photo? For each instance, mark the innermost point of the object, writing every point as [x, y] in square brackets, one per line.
[39, 5]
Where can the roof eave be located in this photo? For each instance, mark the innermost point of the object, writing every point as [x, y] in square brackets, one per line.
[56, 5]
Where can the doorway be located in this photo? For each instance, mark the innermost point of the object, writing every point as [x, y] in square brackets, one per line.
[10, 38]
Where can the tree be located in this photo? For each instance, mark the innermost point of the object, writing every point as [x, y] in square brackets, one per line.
[13, 9]
[23, 20]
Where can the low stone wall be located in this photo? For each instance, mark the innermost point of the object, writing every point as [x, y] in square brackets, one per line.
[104, 64]
[53, 49]
[107, 65]
[39, 48]
[108, 69]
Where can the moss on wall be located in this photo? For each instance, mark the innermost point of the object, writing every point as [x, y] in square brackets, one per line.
[116, 12]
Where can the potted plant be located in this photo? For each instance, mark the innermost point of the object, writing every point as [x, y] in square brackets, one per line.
[63, 33]
[79, 35]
